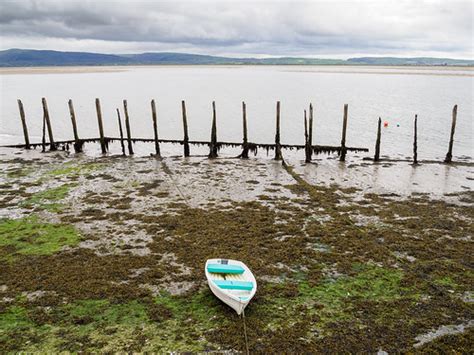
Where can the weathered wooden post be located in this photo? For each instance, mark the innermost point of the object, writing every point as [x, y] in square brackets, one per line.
[277, 134]
[415, 144]
[310, 133]
[213, 145]
[343, 140]
[245, 145]
[377, 142]
[121, 132]
[101, 127]
[127, 127]
[185, 128]
[449, 156]
[306, 139]
[155, 128]
[77, 143]
[52, 145]
[23, 123]
[43, 138]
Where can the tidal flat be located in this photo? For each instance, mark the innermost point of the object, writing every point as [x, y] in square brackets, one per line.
[102, 254]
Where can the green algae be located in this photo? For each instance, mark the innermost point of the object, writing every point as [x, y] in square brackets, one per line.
[48, 199]
[99, 325]
[31, 236]
[73, 169]
[13, 318]
[202, 307]
[103, 313]
[19, 172]
[446, 282]
[334, 300]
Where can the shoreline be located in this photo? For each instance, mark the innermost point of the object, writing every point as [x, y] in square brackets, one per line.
[326, 68]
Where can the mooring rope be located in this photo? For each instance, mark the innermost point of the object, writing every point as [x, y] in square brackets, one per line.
[245, 333]
[168, 171]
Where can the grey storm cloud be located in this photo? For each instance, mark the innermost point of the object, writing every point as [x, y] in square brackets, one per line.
[310, 28]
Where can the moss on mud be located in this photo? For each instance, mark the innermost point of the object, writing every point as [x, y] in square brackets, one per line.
[73, 169]
[48, 199]
[31, 236]
[164, 323]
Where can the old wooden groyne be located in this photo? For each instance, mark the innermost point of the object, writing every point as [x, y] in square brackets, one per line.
[214, 145]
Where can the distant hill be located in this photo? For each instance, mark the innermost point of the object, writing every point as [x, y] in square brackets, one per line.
[410, 61]
[30, 58]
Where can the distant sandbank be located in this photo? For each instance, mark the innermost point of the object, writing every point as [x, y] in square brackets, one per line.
[336, 69]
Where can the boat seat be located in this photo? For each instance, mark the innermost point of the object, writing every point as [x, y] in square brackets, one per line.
[225, 269]
[234, 285]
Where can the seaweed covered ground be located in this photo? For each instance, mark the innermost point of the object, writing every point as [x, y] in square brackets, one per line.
[107, 254]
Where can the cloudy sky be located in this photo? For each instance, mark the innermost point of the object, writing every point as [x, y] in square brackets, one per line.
[318, 28]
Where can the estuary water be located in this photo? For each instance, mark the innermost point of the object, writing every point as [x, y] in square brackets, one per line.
[395, 94]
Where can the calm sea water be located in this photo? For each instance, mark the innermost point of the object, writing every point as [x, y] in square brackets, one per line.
[394, 94]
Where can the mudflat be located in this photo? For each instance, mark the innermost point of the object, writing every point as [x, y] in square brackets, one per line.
[107, 254]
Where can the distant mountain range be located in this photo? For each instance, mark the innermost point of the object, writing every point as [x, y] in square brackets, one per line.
[33, 58]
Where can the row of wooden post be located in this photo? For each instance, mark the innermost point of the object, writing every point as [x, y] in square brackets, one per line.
[449, 155]
[213, 146]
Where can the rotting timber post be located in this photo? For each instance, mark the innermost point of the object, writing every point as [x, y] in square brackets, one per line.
[449, 155]
[307, 146]
[23, 124]
[415, 143]
[343, 139]
[377, 142]
[155, 128]
[213, 144]
[52, 145]
[310, 134]
[77, 142]
[245, 143]
[278, 155]
[103, 146]
[43, 137]
[127, 127]
[185, 128]
[121, 132]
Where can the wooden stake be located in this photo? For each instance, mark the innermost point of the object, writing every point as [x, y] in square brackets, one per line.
[415, 144]
[121, 132]
[77, 143]
[52, 145]
[127, 127]
[306, 139]
[310, 133]
[245, 146]
[101, 127]
[277, 134]
[377, 142]
[449, 155]
[43, 139]
[23, 123]
[185, 128]
[343, 140]
[213, 145]
[155, 128]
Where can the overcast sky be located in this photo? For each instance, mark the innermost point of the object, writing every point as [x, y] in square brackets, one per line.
[338, 29]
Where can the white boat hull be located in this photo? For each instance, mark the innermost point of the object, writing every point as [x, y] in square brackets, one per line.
[236, 299]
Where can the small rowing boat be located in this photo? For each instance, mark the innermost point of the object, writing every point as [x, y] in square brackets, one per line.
[231, 281]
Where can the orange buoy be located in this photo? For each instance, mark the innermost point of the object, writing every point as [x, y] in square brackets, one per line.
[385, 124]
